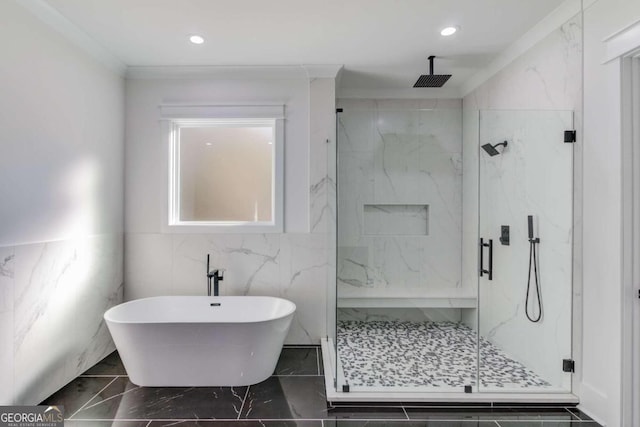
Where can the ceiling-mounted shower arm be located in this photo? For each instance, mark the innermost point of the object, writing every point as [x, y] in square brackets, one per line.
[431, 79]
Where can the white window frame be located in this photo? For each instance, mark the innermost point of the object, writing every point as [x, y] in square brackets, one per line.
[176, 117]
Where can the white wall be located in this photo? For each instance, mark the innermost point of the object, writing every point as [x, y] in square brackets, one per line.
[600, 391]
[545, 77]
[61, 186]
[291, 264]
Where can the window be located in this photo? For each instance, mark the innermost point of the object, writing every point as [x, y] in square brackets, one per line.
[225, 173]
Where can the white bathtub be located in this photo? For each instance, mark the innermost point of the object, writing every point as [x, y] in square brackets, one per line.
[182, 341]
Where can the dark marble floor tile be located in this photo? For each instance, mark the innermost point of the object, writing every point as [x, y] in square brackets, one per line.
[579, 414]
[240, 423]
[110, 365]
[88, 423]
[372, 412]
[125, 400]
[298, 361]
[575, 423]
[389, 423]
[286, 397]
[76, 393]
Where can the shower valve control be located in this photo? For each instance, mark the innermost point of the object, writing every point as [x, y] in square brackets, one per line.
[504, 235]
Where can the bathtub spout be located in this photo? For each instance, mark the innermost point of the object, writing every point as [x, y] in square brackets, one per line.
[217, 275]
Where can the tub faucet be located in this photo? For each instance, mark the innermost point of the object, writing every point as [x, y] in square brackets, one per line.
[217, 275]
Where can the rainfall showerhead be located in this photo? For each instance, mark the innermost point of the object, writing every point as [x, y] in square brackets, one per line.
[491, 149]
[432, 80]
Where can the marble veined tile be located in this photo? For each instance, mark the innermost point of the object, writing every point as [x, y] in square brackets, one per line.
[442, 127]
[532, 176]
[303, 278]
[396, 219]
[103, 289]
[124, 400]
[355, 131]
[7, 267]
[399, 260]
[7, 260]
[321, 129]
[298, 361]
[77, 393]
[355, 267]
[251, 263]
[47, 276]
[6, 358]
[62, 286]
[355, 177]
[285, 398]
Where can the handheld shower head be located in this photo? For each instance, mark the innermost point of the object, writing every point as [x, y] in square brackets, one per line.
[491, 149]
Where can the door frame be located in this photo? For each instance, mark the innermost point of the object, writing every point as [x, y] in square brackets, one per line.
[630, 133]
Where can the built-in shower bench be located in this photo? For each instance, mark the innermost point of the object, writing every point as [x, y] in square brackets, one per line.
[406, 297]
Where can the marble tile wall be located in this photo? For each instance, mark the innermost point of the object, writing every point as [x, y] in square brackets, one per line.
[291, 266]
[545, 78]
[52, 298]
[404, 153]
[7, 273]
[532, 176]
[322, 126]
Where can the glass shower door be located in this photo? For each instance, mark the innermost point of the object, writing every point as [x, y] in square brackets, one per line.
[525, 248]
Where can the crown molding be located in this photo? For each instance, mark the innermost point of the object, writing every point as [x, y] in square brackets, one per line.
[330, 71]
[567, 10]
[230, 72]
[622, 42]
[404, 93]
[58, 22]
[235, 72]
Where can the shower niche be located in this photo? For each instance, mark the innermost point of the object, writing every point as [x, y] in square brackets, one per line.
[413, 318]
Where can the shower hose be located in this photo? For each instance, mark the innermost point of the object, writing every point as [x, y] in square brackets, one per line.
[533, 261]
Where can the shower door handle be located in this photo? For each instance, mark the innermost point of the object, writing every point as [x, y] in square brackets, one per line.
[489, 245]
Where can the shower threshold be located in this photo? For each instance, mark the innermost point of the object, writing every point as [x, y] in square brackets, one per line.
[379, 394]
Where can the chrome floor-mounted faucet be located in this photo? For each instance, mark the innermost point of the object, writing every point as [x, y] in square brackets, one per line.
[214, 276]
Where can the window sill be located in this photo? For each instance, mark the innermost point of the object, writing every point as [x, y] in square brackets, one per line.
[224, 228]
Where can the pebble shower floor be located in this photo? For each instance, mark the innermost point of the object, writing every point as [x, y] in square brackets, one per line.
[435, 354]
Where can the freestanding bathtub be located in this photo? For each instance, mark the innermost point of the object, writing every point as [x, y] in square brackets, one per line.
[183, 341]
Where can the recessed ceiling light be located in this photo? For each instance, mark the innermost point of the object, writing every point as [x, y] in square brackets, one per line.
[448, 31]
[196, 39]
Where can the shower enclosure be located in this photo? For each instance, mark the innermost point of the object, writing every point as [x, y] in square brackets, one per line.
[440, 292]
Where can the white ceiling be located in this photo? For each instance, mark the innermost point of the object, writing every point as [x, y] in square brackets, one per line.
[383, 44]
